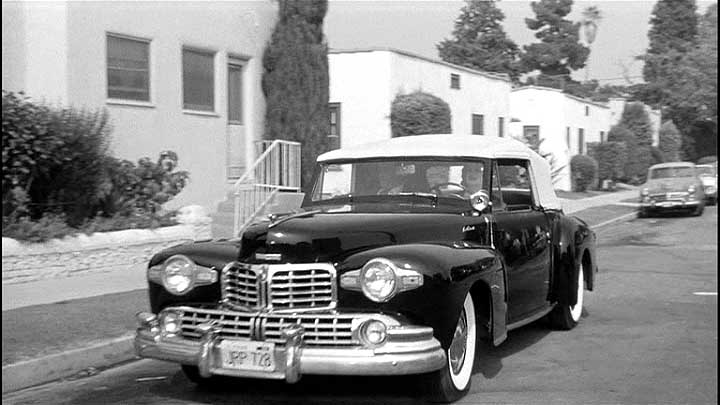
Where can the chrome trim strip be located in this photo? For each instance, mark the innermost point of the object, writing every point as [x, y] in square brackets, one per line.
[531, 319]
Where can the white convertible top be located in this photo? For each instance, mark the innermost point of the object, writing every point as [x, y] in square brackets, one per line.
[460, 146]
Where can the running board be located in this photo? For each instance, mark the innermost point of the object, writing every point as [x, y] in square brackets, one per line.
[532, 318]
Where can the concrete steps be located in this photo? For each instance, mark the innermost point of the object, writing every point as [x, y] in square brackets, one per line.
[222, 219]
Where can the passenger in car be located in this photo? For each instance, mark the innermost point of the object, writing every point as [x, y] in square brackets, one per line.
[390, 181]
[436, 175]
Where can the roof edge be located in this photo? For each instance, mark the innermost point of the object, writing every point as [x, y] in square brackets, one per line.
[576, 98]
[491, 75]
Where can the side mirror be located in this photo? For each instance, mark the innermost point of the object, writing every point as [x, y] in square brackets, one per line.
[480, 201]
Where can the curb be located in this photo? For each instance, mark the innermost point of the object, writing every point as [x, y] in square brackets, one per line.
[33, 372]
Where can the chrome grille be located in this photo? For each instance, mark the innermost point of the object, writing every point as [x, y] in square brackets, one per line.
[240, 286]
[320, 330]
[233, 324]
[676, 196]
[279, 287]
[311, 288]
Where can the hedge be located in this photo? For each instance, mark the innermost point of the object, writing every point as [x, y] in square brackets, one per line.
[584, 171]
[419, 113]
[610, 157]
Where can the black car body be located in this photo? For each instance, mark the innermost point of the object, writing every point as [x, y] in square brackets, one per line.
[361, 283]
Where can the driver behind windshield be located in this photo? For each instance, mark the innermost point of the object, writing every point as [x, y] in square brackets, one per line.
[435, 176]
[472, 178]
[389, 179]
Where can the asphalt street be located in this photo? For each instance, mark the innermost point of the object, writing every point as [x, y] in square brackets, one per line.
[648, 336]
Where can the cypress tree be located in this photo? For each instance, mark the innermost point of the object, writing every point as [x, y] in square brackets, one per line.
[296, 81]
[480, 41]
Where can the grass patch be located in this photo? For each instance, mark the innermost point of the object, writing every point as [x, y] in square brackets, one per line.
[577, 195]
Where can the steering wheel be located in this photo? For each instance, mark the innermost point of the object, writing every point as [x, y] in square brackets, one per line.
[459, 193]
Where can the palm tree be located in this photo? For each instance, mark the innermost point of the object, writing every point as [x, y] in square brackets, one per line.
[591, 16]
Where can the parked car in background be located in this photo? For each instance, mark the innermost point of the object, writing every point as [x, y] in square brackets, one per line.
[672, 186]
[708, 176]
[406, 253]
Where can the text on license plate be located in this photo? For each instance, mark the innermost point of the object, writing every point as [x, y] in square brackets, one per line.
[254, 356]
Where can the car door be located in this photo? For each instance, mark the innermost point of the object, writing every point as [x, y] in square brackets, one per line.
[522, 235]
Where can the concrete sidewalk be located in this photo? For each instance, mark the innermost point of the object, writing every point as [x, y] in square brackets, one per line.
[89, 319]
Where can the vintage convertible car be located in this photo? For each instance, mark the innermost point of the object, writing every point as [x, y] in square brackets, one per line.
[405, 254]
[708, 177]
[672, 186]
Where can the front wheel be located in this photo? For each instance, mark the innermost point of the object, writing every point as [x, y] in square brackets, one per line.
[565, 316]
[699, 210]
[452, 382]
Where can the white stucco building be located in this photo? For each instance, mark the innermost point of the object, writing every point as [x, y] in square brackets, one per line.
[181, 76]
[566, 124]
[364, 83]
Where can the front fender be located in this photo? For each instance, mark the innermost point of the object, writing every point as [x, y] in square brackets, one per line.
[573, 239]
[449, 273]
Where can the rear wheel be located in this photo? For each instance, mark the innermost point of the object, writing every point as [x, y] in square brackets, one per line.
[565, 316]
[452, 382]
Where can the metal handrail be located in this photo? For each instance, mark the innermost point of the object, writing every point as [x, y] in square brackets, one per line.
[277, 168]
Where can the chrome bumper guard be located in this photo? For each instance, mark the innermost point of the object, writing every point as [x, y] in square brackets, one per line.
[408, 349]
[670, 204]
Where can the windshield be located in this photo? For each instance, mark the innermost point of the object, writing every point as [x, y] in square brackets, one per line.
[705, 170]
[670, 172]
[432, 181]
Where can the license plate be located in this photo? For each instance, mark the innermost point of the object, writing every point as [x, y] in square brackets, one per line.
[252, 356]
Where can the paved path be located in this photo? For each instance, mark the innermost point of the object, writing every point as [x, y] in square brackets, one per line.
[570, 206]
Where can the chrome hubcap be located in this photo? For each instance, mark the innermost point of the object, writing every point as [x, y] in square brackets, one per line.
[458, 347]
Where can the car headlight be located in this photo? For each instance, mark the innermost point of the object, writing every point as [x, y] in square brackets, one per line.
[179, 274]
[169, 323]
[692, 189]
[645, 192]
[378, 280]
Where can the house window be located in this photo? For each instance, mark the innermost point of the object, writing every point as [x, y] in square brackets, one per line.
[581, 141]
[478, 123]
[235, 88]
[128, 68]
[501, 127]
[334, 126]
[198, 80]
[454, 81]
[587, 111]
[567, 137]
[531, 133]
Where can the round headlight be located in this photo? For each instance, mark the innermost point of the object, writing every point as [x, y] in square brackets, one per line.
[645, 191]
[373, 332]
[691, 189]
[179, 275]
[378, 280]
[169, 323]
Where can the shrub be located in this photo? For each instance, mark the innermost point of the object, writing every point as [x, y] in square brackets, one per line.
[419, 113]
[707, 159]
[637, 158]
[144, 187]
[610, 157]
[657, 155]
[48, 226]
[55, 155]
[584, 169]
[670, 141]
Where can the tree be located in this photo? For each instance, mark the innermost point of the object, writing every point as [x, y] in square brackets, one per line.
[591, 16]
[479, 41]
[670, 141]
[559, 51]
[635, 130]
[296, 80]
[419, 113]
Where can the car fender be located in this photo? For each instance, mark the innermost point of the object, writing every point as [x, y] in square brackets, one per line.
[572, 239]
[450, 271]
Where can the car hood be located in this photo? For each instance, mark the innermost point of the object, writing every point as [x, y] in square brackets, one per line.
[332, 237]
[670, 184]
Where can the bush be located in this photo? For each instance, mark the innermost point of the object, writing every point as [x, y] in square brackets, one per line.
[670, 141]
[611, 158]
[419, 113]
[657, 155]
[638, 157]
[584, 169]
[144, 187]
[55, 155]
[707, 159]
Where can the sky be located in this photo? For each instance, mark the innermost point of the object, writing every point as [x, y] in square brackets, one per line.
[418, 25]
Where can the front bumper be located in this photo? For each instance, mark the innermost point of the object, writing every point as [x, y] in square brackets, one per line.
[669, 205]
[408, 350]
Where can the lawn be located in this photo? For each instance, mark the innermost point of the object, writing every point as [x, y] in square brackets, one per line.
[577, 195]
